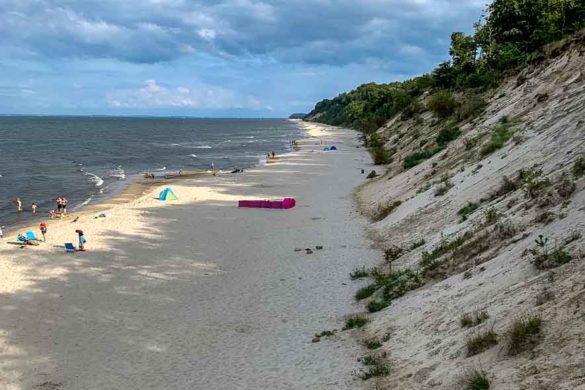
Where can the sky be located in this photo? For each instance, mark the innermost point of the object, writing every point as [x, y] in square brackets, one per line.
[213, 58]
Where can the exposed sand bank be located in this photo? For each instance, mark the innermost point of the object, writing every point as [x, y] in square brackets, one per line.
[195, 293]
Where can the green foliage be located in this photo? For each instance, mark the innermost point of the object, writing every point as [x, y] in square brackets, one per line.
[469, 320]
[481, 342]
[467, 210]
[417, 244]
[392, 254]
[355, 321]
[414, 159]
[381, 156]
[448, 135]
[475, 380]
[397, 284]
[499, 136]
[503, 41]
[445, 186]
[579, 167]
[545, 259]
[442, 103]
[372, 343]
[524, 334]
[366, 292]
[491, 216]
[443, 248]
[376, 306]
[532, 182]
[376, 368]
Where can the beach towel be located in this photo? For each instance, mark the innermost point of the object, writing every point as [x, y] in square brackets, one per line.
[285, 204]
[69, 247]
[30, 235]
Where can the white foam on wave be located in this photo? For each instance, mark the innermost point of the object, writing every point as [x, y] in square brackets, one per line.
[203, 147]
[86, 202]
[98, 181]
[193, 155]
[119, 173]
[161, 169]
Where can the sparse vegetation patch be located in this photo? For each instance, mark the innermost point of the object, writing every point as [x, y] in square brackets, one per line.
[499, 136]
[524, 334]
[467, 210]
[475, 380]
[481, 342]
[469, 320]
[355, 321]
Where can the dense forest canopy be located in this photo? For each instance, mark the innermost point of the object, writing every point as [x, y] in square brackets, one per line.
[504, 38]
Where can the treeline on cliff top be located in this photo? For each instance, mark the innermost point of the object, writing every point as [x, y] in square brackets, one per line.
[504, 39]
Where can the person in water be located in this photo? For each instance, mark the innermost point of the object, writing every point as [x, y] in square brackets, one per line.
[64, 202]
[18, 203]
[59, 204]
[82, 239]
[34, 208]
[43, 228]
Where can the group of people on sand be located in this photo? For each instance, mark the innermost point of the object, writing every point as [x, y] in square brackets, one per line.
[271, 154]
[22, 237]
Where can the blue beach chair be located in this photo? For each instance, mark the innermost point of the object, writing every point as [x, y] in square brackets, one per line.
[30, 235]
[69, 247]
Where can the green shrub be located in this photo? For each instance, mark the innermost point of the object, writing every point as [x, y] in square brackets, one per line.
[491, 216]
[417, 244]
[380, 155]
[532, 182]
[376, 367]
[392, 254]
[481, 342]
[475, 380]
[443, 188]
[579, 167]
[499, 136]
[467, 210]
[469, 320]
[524, 334]
[416, 158]
[372, 343]
[365, 292]
[397, 284]
[442, 103]
[448, 135]
[359, 273]
[444, 247]
[355, 321]
[472, 106]
[376, 306]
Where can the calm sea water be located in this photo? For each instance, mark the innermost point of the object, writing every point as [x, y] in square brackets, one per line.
[87, 159]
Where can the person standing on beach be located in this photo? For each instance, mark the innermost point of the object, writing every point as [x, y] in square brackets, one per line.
[43, 227]
[18, 204]
[64, 202]
[273, 154]
[34, 208]
[82, 239]
[59, 204]
[1, 233]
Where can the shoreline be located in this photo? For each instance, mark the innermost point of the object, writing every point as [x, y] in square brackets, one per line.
[181, 288]
[137, 186]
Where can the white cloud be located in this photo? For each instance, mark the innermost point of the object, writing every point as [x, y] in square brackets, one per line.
[155, 95]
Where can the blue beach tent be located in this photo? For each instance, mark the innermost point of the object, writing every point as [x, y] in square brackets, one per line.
[167, 194]
[334, 148]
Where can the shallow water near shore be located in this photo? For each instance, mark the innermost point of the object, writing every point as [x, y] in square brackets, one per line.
[88, 159]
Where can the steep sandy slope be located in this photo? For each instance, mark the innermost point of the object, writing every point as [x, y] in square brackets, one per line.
[529, 187]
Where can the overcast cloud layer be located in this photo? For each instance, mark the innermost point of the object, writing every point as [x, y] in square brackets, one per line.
[213, 57]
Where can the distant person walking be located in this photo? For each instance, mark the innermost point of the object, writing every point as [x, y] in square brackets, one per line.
[43, 227]
[34, 208]
[18, 203]
[82, 239]
[273, 154]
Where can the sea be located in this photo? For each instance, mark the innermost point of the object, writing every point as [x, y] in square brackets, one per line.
[91, 159]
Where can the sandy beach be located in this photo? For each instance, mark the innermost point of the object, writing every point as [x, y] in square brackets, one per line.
[196, 293]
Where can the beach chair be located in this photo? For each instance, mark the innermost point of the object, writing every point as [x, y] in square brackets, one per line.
[30, 235]
[69, 247]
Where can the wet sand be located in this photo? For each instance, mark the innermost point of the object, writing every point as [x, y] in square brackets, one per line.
[196, 293]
